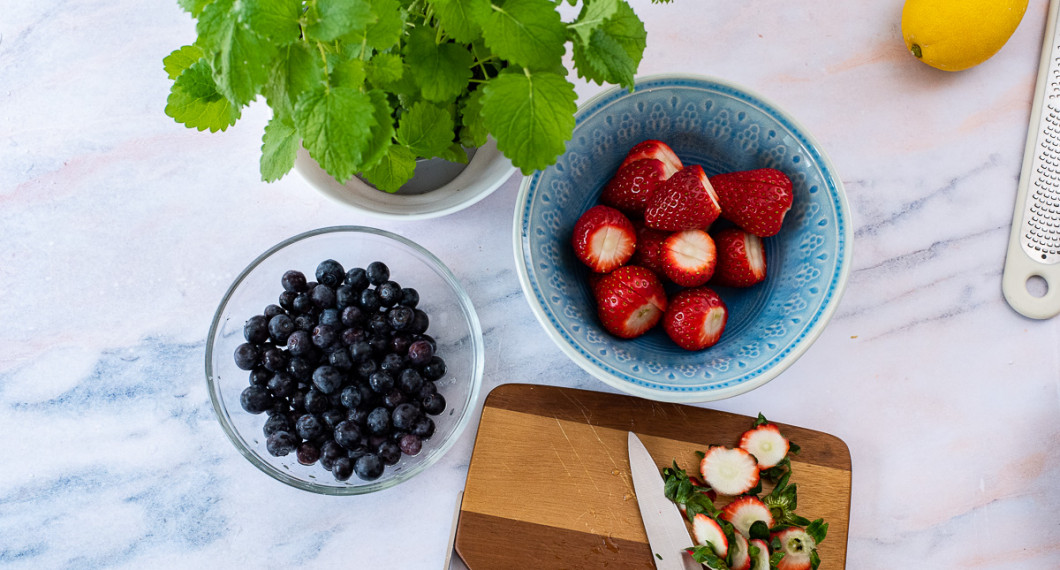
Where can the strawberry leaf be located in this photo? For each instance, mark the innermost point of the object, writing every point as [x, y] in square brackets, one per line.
[531, 115]
[462, 19]
[336, 126]
[279, 147]
[195, 101]
[441, 71]
[529, 33]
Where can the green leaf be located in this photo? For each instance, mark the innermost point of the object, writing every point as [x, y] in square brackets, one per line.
[336, 126]
[279, 147]
[529, 33]
[473, 132]
[181, 59]
[386, 31]
[441, 71]
[394, 170]
[383, 134]
[531, 115]
[593, 15]
[276, 20]
[426, 129]
[614, 50]
[195, 101]
[384, 69]
[462, 19]
[193, 7]
[240, 57]
[348, 73]
[296, 70]
[328, 20]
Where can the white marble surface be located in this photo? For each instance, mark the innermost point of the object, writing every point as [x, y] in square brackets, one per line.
[120, 231]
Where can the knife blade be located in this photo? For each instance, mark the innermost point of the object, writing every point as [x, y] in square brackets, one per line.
[663, 522]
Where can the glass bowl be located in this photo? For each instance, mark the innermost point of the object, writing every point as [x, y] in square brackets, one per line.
[452, 323]
[724, 128]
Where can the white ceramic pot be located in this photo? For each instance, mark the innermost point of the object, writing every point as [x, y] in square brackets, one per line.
[454, 188]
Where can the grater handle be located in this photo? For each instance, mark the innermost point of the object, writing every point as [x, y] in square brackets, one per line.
[1020, 267]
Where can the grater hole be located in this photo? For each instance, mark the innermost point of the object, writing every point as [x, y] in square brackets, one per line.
[1037, 286]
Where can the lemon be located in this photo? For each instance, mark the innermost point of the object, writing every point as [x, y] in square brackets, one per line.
[957, 34]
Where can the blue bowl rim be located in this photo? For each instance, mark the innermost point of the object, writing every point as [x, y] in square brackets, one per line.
[660, 392]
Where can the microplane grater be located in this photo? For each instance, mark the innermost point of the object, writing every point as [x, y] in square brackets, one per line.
[1034, 240]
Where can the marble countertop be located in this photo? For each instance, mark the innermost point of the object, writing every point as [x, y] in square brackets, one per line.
[120, 230]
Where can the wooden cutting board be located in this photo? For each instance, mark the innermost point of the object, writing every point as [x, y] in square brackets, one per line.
[549, 483]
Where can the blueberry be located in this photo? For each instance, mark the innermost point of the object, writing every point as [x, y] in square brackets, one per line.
[302, 304]
[281, 443]
[369, 300]
[247, 356]
[274, 359]
[378, 421]
[410, 444]
[347, 434]
[378, 273]
[330, 273]
[410, 297]
[434, 369]
[275, 423]
[392, 363]
[360, 351]
[400, 343]
[389, 452]
[316, 402]
[434, 404]
[366, 367]
[256, 329]
[346, 296]
[342, 468]
[379, 343]
[272, 310]
[286, 300]
[308, 453]
[293, 281]
[300, 343]
[381, 382]
[324, 336]
[420, 353]
[357, 278]
[329, 452]
[340, 359]
[400, 317]
[405, 416]
[394, 398]
[299, 368]
[379, 324]
[331, 318]
[410, 381]
[260, 377]
[282, 385]
[309, 426]
[353, 335]
[389, 293]
[423, 428]
[352, 316]
[350, 397]
[333, 417]
[358, 416]
[427, 389]
[322, 296]
[368, 467]
[327, 379]
[280, 327]
[420, 323]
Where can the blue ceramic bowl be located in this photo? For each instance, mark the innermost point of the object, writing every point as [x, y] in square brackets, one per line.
[723, 128]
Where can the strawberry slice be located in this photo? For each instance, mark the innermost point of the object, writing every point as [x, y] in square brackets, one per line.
[604, 239]
[654, 149]
[767, 445]
[649, 250]
[729, 471]
[632, 184]
[741, 258]
[695, 319]
[756, 200]
[707, 531]
[744, 512]
[688, 257]
[799, 548]
[741, 557]
[685, 201]
[630, 301]
[759, 558]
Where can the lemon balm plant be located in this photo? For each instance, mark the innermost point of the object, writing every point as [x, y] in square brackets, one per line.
[370, 86]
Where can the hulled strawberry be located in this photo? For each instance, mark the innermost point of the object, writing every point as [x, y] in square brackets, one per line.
[689, 257]
[707, 531]
[760, 554]
[603, 239]
[799, 547]
[628, 191]
[685, 201]
[657, 150]
[756, 200]
[630, 301]
[766, 443]
[739, 553]
[744, 512]
[695, 319]
[649, 250]
[741, 258]
[729, 471]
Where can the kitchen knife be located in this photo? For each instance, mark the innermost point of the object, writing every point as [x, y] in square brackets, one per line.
[663, 522]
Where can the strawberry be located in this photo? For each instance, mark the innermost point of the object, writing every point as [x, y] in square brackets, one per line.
[603, 239]
[688, 257]
[707, 531]
[629, 189]
[759, 558]
[685, 201]
[729, 471]
[741, 258]
[630, 301]
[657, 150]
[695, 319]
[755, 200]
[741, 557]
[767, 445]
[744, 511]
[649, 250]
[798, 546]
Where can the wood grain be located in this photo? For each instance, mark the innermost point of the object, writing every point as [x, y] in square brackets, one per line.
[549, 483]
